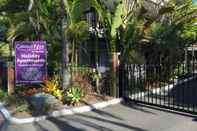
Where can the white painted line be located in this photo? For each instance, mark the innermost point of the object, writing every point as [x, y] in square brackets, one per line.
[63, 112]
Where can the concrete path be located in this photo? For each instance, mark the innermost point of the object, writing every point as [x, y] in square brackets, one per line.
[122, 117]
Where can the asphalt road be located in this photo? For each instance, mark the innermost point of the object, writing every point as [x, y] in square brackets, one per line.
[121, 117]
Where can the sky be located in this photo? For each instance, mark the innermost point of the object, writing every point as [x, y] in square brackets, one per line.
[195, 1]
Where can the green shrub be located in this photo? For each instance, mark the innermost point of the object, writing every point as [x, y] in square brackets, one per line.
[74, 95]
[2, 94]
[52, 86]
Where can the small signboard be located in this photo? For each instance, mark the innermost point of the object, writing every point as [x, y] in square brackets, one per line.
[30, 62]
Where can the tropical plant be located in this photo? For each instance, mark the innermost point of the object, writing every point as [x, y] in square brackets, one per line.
[77, 33]
[116, 22]
[76, 15]
[33, 20]
[74, 95]
[130, 30]
[52, 87]
[175, 30]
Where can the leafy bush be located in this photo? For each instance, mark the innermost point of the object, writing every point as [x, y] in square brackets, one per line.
[74, 95]
[52, 87]
[2, 94]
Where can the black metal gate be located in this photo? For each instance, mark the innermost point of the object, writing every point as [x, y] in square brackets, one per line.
[170, 86]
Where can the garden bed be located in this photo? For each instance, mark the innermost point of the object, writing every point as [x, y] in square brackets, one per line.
[48, 98]
[24, 112]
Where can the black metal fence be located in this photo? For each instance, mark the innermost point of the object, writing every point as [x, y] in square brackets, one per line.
[171, 86]
[100, 81]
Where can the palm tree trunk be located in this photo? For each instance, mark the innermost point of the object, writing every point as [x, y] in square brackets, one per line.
[73, 53]
[76, 56]
[113, 74]
[64, 44]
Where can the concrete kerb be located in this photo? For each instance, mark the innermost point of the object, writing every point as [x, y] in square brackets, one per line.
[13, 120]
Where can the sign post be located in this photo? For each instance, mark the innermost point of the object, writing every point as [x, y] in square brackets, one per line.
[10, 78]
[30, 62]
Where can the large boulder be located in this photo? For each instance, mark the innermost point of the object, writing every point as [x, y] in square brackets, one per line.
[43, 102]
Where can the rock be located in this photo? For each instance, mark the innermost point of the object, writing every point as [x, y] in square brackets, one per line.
[44, 102]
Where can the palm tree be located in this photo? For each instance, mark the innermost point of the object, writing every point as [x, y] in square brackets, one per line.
[77, 28]
[64, 45]
[171, 29]
[114, 21]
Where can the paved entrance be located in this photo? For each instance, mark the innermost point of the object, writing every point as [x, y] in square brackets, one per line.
[122, 117]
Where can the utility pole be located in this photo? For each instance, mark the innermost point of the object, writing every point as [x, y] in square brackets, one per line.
[65, 75]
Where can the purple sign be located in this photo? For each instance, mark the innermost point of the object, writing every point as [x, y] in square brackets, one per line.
[30, 61]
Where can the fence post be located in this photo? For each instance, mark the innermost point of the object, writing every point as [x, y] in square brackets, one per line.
[10, 78]
[121, 79]
[1, 75]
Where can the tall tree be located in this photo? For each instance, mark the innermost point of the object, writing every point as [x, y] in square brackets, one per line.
[64, 45]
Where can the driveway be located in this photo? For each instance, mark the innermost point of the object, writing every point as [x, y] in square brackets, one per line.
[121, 117]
